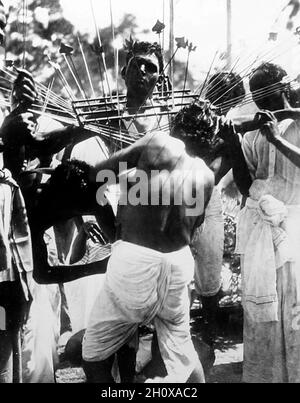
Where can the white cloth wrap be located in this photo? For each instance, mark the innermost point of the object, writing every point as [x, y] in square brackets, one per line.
[143, 285]
[264, 245]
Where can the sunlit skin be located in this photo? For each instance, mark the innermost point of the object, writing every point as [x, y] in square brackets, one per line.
[141, 75]
[272, 102]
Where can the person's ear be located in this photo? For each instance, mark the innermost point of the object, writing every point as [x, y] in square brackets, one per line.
[123, 72]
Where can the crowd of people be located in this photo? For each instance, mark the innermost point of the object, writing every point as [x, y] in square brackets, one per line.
[165, 227]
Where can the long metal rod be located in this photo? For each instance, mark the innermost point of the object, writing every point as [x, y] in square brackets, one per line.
[88, 104]
[229, 34]
[145, 115]
[130, 116]
[124, 96]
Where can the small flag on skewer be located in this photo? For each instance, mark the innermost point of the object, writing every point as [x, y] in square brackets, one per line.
[295, 4]
[158, 27]
[66, 49]
[181, 43]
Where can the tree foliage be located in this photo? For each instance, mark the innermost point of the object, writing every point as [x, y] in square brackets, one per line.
[35, 37]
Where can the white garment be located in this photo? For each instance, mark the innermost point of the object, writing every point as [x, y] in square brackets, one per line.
[208, 246]
[40, 336]
[263, 242]
[265, 162]
[6, 270]
[271, 349]
[81, 294]
[142, 284]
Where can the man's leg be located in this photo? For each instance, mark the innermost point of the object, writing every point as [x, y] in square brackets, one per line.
[174, 338]
[208, 247]
[127, 362]
[99, 372]
[210, 307]
[106, 334]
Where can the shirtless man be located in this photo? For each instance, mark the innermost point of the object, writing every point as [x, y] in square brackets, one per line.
[151, 266]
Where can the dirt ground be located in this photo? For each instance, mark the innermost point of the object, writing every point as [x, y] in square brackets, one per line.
[228, 350]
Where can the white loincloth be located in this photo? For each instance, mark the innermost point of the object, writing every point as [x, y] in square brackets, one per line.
[207, 247]
[143, 285]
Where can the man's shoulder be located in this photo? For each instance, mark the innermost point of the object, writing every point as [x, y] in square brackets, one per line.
[200, 174]
[161, 150]
[207, 174]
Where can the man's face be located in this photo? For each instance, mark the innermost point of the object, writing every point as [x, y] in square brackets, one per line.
[273, 100]
[141, 74]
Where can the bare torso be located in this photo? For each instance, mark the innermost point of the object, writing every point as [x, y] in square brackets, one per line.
[168, 225]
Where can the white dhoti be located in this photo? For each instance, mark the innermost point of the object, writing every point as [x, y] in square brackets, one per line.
[208, 247]
[271, 285]
[141, 286]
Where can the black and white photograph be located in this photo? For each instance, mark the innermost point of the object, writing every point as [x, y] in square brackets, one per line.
[149, 194]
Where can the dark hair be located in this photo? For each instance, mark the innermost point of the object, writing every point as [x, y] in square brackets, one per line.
[273, 72]
[225, 87]
[71, 179]
[136, 47]
[197, 125]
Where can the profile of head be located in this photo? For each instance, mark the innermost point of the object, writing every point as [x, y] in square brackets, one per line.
[3, 23]
[225, 90]
[197, 126]
[70, 183]
[267, 86]
[144, 64]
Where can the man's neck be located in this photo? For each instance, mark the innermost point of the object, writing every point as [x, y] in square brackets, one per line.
[135, 103]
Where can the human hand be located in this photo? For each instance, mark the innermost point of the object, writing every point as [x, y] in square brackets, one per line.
[17, 129]
[93, 232]
[269, 127]
[227, 132]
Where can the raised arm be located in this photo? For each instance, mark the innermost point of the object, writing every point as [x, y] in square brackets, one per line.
[128, 156]
[19, 127]
[249, 123]
[271, 131]
[234, 154]
[43, 273]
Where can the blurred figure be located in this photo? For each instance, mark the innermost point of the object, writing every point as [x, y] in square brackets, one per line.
[225, 90]
[268, 236]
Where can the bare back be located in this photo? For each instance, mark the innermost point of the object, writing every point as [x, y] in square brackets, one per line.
[177, 187]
